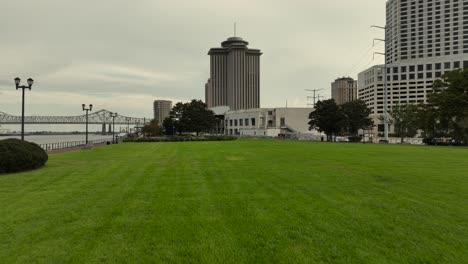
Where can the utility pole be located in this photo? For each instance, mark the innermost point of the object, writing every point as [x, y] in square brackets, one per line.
[314, 97]
[385, 79]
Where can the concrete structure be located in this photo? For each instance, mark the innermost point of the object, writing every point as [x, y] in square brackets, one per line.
[424, 39]
[269, 122]
[161, 110]
[371, 91]
[234, 76]
[344, 90]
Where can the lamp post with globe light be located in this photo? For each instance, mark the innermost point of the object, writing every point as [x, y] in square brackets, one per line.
[87, 110]
[113, 115]
[18, 86]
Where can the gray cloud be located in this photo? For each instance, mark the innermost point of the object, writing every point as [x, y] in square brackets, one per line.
[124, 54]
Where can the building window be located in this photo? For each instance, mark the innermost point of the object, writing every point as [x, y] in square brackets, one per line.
[283, 121]
[270, 112]
[253, 121]
[270, 123]
[241, 122]
[235, 122]
[246, 122]
[230, 123]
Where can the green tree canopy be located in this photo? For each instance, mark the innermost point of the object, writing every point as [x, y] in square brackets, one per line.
[190, 117]
[330, 118]
[450, 99]
[327, 118]
[405, 120]
[356, 116]
[152, 129]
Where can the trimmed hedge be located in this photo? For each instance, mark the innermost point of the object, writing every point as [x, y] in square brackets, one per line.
[355, 139]
[17, 156]
[434, 142]
[180, 139]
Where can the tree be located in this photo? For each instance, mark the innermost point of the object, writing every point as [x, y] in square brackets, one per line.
[169, 126]
[197, 117]
[327, 118]
[172, 123]
[405, 120]
[450, 99]
[429, 122]
[356, 116]
[152, 129]
[190, 117]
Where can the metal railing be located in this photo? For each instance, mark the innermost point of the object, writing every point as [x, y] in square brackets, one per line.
[71, 144]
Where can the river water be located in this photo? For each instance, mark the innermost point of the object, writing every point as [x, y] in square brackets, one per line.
[46, 139]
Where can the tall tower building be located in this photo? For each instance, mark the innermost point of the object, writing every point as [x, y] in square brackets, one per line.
[424, 39]
[234, 76]
[344, 90]
[162, 108]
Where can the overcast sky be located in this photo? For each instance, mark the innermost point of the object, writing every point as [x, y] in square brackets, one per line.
[121, 55]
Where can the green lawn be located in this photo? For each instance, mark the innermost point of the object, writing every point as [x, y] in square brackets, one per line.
[240, 202]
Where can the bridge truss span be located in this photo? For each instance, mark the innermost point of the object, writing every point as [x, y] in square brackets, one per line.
[99, 117]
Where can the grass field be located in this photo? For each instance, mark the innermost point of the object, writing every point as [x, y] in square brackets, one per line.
[240, 202]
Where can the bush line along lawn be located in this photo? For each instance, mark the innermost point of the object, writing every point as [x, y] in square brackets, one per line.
[240, 201]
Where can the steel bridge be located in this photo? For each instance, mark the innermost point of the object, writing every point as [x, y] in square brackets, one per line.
[99, 117]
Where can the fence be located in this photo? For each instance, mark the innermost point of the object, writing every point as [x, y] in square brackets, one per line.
[70, 144]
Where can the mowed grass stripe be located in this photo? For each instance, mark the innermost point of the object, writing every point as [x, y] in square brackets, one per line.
[242, 201]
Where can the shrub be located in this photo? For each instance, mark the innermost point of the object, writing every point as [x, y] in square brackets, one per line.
[355, 139]
[428, 141]
[17, 155]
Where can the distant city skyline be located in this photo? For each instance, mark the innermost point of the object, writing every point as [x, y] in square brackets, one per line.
[121, 55]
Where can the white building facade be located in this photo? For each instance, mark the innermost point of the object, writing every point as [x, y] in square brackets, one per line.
[424, 40]
[270, 122]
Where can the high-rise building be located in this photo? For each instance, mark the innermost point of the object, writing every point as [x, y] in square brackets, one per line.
[234, 76]
[424, 39]
[162, 108]
[344, 90]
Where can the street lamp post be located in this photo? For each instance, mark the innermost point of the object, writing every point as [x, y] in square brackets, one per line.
[174, 120]
[386, 117]
[30, 83]
[87, 110]
[113, 115]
